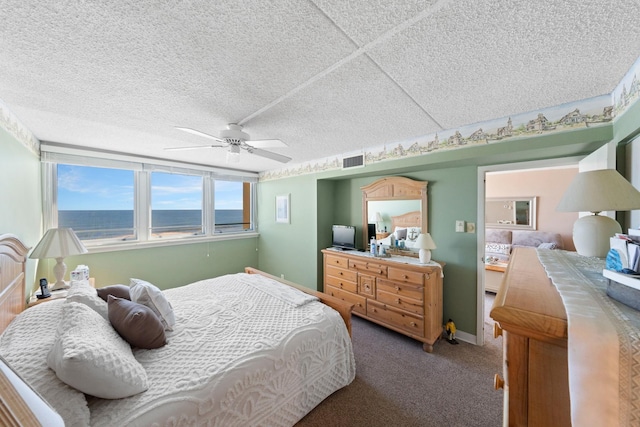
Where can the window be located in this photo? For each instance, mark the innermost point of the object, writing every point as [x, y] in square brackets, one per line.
[232, 206]
[117, 200]
[96, 202]
[176, 205]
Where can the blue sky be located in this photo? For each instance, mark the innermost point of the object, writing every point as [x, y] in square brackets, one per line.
[91, 188]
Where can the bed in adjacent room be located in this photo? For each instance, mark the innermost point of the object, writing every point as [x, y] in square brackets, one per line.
[240, 349]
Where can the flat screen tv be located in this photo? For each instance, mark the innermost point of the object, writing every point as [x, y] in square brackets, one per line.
[344, 236]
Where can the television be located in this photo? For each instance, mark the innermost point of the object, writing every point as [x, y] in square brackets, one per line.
[343, 237]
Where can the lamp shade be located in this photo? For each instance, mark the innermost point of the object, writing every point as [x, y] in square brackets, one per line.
[58, 243]
[424, 241]
[599, 190]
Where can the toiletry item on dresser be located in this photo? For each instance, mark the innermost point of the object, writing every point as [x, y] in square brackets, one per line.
[373, 247]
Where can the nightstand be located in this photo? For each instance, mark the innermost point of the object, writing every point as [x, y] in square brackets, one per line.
[59, 294]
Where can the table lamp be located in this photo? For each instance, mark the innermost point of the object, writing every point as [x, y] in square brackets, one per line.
[597, 191]
[58, 243]
[425, 243]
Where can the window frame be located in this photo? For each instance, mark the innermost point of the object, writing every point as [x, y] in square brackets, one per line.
[54, 154]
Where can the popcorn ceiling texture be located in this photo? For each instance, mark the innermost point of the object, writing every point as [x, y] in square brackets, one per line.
[327, 77]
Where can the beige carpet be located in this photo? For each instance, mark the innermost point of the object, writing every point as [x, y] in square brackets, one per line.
[398, 384]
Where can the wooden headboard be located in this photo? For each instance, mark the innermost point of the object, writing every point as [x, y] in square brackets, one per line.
[13, 260]
[410, 219]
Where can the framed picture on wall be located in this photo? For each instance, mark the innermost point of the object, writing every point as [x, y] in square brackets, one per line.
[283, 208]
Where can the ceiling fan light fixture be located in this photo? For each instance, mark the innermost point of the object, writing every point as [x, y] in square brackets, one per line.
[233, 155]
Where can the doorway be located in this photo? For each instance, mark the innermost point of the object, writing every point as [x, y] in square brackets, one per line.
[518, 179]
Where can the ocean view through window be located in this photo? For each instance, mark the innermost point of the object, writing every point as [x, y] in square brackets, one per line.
[107, 205]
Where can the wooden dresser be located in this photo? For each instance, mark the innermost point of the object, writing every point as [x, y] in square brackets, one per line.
[403, 296]
[530, 316]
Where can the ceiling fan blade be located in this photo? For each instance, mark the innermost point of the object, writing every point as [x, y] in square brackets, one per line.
[269, 155]
[197, 132]
[267, 143]
[193, 147]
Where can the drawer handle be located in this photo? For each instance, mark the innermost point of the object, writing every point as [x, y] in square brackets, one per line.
[341, 273]
[398, 300]
[340, 285]
[497, 330]
[413, 324]
[398, 288]
[498, 382]
[406, 277]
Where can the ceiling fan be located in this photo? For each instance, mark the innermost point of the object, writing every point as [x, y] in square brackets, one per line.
[234, 138]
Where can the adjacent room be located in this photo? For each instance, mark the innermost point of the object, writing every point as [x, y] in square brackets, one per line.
[319, 213]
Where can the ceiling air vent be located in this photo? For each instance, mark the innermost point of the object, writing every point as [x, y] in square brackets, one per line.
[353, 162]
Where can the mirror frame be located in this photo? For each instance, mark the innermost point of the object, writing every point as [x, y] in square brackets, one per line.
[394, 188]
[532, 213]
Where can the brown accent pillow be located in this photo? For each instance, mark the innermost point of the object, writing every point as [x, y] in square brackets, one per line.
[137, 324]
[119, 291]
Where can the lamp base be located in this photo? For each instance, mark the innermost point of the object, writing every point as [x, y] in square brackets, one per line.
[59, 270]
[425, 256]
[591, 235]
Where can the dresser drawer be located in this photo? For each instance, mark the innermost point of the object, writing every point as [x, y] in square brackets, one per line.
[408, 290]
[336, 261]
[341, 283]
[359, 303]
[411, 323]
[368, 267]
[349, 275]
[404, 303]
[406, 276]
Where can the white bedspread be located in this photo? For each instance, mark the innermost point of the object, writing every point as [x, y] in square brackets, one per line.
[237, 356]
[604, 343]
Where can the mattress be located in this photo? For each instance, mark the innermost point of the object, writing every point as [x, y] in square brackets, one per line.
[245, 350]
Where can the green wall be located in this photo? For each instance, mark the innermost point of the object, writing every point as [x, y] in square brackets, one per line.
[166, 266]
[289, 249]
[335, 197]
[21, 207]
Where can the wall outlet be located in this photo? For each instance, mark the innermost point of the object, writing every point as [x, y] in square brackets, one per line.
[459, 226]
[471, 227]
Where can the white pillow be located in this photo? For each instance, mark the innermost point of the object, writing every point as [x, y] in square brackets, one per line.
[90, 356]
[25, 355]
[150, 295]
[80, 291]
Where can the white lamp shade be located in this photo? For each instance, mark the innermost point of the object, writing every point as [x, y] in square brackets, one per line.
[597, 191]
[58, 243]
[424, 241]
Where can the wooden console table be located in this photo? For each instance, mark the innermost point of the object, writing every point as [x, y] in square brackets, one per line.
[531, 317]
[396, 292]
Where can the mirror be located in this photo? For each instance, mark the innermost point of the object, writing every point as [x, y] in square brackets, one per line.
[392, 196]
[511, 213]
[388, 209]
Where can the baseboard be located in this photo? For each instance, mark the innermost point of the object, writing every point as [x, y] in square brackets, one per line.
[466, 337]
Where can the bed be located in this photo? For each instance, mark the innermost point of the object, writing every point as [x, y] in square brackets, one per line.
[244, 349]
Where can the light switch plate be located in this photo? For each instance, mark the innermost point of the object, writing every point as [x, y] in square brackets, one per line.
[471, 227]
[459, 226]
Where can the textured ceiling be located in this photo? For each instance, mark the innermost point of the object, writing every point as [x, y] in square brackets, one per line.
[327, 77]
